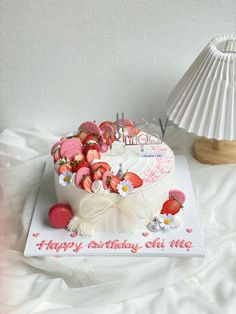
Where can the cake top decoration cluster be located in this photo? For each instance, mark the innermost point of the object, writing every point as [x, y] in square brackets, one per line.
[77, 157]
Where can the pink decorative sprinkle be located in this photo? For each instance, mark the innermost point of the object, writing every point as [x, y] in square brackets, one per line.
[189, 230]
[36, 234]
[74, 234]
[145, 234]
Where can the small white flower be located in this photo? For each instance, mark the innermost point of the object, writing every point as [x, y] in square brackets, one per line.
[166, 221]
[65, 178]
[125, 187]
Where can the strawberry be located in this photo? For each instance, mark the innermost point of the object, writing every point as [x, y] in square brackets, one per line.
[171, 207]
[63, 168]
[56, 155]
[107, 126]
[109, 138]
[92, 154]
[79, 165]
[78, 157]
[99, 164]
[71, 153]
[134, 179]
[97, 175]
[89, 147]
[106, 178]
[86, 183]
[114, 181]
[91, 138]
[84, 171]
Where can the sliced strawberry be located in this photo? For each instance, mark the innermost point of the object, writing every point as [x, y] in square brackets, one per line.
[91, 138]
[79, 165]
[97, 175]
[84, 171]
[134, 179]
[78, 157]
[171, 207]
[70, 154]
[99, 164]
[86, 183]
[56, 155]
[107, 126]
[106, 179]
[92, 154]
[63, 168]
[114, 181]
[109, 138]
[89, 147]
[82, 135]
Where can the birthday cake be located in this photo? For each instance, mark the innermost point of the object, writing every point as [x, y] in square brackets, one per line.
[113, 177]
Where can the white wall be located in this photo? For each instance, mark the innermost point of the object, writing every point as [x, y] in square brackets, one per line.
[66, 61]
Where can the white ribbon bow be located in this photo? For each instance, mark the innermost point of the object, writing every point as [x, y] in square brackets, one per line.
[111, 213]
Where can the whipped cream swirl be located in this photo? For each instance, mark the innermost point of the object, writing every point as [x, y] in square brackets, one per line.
[97, 188]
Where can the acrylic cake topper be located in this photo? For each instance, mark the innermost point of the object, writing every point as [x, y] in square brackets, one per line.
[127, 133]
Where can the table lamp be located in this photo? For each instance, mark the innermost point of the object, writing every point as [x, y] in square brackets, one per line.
[204, 101]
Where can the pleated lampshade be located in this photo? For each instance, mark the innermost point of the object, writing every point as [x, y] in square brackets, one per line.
[204, 100]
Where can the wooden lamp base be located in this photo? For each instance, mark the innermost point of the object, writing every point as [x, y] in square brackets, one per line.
[215, 152]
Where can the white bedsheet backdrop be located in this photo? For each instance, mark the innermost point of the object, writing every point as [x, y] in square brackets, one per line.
[113, 284]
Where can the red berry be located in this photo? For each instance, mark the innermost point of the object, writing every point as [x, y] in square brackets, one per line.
[79, 165]
[89, 147]
[106, 178]
[80, 174]
[59, 215]
[91, 138]
[134, 179]
[78, 157]
[114, 181]
[107, 126]
[64, 168]
[92, 154]
[86, 183]
[171, 207]
[109, 138]
[99, 164]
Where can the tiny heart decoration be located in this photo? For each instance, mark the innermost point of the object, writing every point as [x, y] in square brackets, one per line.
[189, 230]
[36, 234]
[145, 234]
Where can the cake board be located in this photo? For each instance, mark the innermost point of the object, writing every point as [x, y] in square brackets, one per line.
[186, 241]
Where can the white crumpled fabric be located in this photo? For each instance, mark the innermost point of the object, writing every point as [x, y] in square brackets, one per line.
[113, 284]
